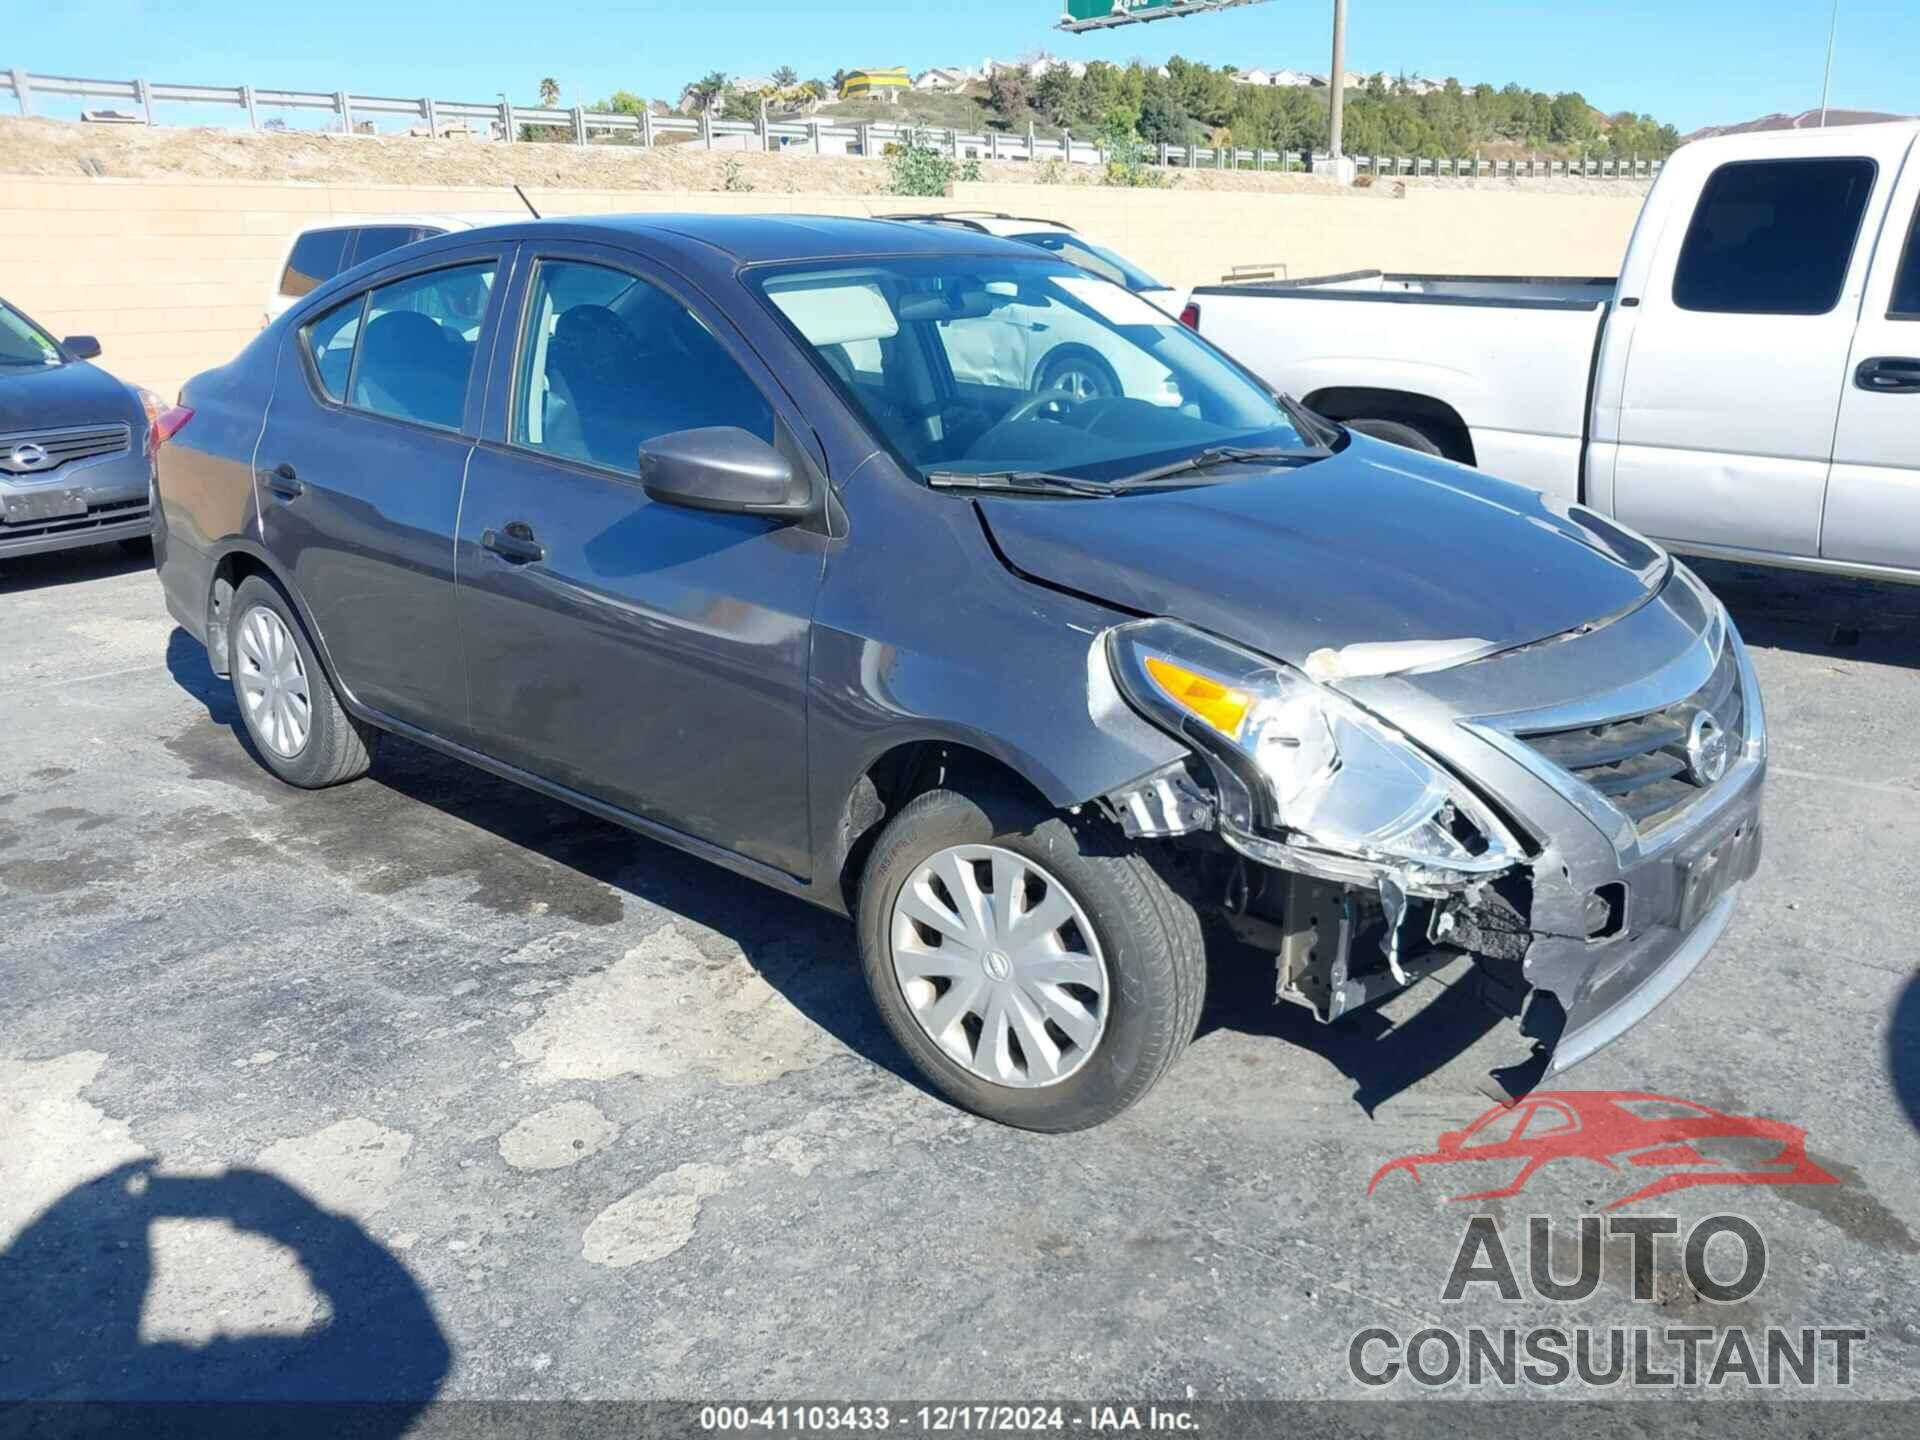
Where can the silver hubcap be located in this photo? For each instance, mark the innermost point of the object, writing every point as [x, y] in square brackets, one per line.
[1000, 966]
[273, 683]
[1080, 384]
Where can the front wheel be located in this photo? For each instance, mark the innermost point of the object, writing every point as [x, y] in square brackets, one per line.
[1041, 974]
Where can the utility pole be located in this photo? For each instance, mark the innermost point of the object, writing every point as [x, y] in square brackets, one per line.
[1826, 85]
[1337, 81]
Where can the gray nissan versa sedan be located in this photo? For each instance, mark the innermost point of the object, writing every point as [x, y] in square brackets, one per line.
[76, 445]
[704, 526]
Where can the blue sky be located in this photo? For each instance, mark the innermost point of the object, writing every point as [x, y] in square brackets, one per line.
[1691, 62]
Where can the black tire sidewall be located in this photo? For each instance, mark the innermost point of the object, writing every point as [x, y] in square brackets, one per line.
[309, 769]
[1070, 357]
[1143, 1001]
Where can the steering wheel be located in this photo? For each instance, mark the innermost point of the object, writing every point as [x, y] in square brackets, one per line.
[1027, 408]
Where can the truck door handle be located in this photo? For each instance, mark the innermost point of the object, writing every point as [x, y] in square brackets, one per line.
[515, 544]
[283, 482]
[1889, 375]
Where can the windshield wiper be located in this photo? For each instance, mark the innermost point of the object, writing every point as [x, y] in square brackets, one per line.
[1217, 455]
[1019, 482]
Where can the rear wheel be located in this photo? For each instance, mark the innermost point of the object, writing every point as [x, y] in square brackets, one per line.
[297, 725]
[1081, 373]
[1398, 432]
[1042, 974]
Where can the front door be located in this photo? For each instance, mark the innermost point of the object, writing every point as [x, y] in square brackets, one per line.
[1734, 378]
[1873, 497]
[359, 472]
[652, 657]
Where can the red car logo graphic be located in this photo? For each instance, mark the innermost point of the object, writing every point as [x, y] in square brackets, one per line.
[1690, 1144]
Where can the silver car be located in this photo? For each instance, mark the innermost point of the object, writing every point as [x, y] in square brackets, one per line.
[76, 445]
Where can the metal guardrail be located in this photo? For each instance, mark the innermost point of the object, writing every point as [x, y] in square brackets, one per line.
[503, 120]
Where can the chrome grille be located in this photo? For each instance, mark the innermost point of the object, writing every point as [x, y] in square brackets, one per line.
[45, 451]
[1640, 764]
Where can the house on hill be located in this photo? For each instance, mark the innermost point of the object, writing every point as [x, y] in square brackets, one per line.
[875, 84]
[942, 79]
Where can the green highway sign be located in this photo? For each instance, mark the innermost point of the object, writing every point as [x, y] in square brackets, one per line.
[1104, 14]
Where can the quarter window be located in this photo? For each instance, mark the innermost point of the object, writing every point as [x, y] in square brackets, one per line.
[1906, 284]
[609, 362]
[1773, 237]
[330, 343]
[377, 240]
[417, 344]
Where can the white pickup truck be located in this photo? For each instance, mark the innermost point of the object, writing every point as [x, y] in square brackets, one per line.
[1748, 387]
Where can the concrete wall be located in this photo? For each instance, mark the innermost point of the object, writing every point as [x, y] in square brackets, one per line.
[173, 275]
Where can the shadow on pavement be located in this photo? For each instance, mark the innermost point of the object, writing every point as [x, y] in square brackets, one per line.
[73, 567]
[1828, 615]
[805, 953]
[76, 1279]
[1903, 1050]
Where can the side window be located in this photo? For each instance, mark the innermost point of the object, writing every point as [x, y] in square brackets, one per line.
[317, 257]
[330, 341]
[1773, 237]
[1906, 284]
[417, 345]
[376, 240]
[609, 362]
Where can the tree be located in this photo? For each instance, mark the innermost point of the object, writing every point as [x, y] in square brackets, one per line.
[1010, 93]
[1162, 121]
[549, 92]
[786, 77]
[839, 81]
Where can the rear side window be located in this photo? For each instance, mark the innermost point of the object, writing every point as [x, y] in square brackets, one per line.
[317, 257]
[609, 362]
[416, 345]
[1774, 237]
[1906, 284]
[330, 342]
[377, 240]
[1095, 259]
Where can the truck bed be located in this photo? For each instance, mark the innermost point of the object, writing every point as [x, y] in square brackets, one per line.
[1509, 356]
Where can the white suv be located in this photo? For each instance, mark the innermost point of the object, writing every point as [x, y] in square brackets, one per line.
[1050, 356]
[330, 247]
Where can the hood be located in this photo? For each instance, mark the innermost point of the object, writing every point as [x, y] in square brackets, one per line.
[54, 397]
[1374, 546]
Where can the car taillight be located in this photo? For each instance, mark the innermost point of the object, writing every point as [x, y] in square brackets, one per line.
[1190, 317]
[163, 420]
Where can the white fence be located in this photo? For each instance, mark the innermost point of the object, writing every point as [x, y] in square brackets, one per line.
[503, 120]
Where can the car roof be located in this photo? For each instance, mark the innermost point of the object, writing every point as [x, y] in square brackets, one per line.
[445, 219]
[990, 222]
[767, 239]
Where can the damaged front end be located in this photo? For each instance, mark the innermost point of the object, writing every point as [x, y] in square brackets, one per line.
[1334, 842]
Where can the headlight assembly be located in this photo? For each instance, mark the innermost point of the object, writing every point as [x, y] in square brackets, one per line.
[1299, 764]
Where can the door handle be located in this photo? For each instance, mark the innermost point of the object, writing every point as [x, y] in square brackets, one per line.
[283, 482]
[1889, 375]
[515, 544]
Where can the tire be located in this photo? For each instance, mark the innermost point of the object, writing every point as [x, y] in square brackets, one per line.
[1398, 432]
[1145, 939]
[1080, 371]
[335, 747]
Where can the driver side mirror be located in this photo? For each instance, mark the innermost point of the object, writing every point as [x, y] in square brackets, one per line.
[82, 347]
[726, 470]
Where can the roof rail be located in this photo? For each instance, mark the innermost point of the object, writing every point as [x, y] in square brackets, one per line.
[971, 219]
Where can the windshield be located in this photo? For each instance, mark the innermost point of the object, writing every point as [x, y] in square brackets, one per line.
[975, 365]
[1096, 259]
[24, 343]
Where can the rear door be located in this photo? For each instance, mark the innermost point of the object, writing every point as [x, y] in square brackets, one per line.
[359, 471]
[649, 656]
[1739, 351]
[1873, 496]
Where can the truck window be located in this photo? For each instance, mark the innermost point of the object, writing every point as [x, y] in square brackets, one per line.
[1906, 284]
[1773, 237]
[377, 240]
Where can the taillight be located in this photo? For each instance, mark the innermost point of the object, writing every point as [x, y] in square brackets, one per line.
[1190, 317]
[163, 420]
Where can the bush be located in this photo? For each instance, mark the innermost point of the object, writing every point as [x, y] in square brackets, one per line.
[920, 167]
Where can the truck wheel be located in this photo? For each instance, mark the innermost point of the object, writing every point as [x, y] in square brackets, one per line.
[1039, 973]
[1398, 432]
[294, 719]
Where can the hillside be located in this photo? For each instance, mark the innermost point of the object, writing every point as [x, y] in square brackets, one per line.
[1805, 120]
